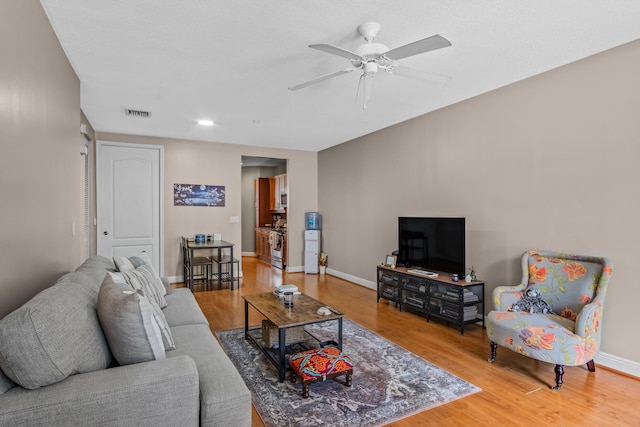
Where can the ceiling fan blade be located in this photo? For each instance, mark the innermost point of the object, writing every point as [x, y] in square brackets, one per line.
[420, 46]
[321, 78]
[414, 73]
[335, 50]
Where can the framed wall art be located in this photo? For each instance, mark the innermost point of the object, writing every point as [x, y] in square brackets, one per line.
[198, 195]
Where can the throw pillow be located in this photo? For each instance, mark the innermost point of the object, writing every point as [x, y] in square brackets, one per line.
[532, 302]
[131, 263]
[141, 279]
[129, 324]
[167, 338]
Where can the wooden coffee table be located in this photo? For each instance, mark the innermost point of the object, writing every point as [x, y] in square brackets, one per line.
[303, 312]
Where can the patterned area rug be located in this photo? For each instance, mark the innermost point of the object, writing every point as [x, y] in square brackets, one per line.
[389, 382]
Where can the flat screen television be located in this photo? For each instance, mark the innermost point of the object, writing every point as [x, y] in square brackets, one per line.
[433, 244]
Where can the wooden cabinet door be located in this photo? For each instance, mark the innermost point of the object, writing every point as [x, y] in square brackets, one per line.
[263, 216]
[263, 249]
[260, 241]
[273, 193]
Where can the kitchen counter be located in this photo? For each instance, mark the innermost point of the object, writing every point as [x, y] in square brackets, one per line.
[263, 248]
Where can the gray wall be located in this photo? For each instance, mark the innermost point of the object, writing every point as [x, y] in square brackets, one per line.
[548, 163]
[41, 169]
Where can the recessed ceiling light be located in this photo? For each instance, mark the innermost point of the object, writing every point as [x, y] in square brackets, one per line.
[205, 122]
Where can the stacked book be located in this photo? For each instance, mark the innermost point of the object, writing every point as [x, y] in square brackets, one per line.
[470, 296]
[449, 296]
[281, 289]
[415, 302]
[470, 313]
[450, 310]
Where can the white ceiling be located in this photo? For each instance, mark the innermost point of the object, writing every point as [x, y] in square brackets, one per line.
[232, 61]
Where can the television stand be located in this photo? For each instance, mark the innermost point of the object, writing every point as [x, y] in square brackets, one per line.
[455, 302]
[422, 272]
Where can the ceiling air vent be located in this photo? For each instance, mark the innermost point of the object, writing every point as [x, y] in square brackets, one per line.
[137, 113]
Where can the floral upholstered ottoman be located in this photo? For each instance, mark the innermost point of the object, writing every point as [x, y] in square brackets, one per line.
[319, 365]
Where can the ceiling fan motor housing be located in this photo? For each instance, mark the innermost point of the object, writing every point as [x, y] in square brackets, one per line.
[371, 50]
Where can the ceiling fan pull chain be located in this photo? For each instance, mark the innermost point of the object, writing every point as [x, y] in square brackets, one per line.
[358, 90]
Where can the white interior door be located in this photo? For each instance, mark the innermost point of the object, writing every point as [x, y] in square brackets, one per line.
[129, 200]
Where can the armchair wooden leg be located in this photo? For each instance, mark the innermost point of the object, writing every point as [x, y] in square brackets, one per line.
[494, 349]
[559, 373]
[591, 365]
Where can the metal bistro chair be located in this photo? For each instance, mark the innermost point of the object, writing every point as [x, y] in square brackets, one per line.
[222, 271]
[200, 266]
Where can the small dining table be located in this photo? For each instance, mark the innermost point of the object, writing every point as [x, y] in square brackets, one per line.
[192, 246]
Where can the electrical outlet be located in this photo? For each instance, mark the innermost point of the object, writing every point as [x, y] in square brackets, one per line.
[234, 219]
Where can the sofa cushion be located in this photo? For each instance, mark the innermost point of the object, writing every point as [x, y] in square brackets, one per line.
[54, 335]
[223, 393]
[183, 309]
[152, 394]
[5, 383]
[131, 263]
[96, 267]
[130, 324]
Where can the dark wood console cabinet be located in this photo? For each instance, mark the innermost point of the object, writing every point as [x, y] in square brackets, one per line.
[459, 303]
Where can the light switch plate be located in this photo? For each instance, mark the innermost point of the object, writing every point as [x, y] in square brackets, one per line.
[234, 219]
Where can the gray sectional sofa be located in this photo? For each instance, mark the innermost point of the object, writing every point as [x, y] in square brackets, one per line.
[57, 368]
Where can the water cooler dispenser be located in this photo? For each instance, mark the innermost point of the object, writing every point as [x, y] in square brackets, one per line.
[311, 242]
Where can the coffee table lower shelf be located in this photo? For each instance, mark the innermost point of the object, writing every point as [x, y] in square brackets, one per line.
[254, 334]
[303, 312]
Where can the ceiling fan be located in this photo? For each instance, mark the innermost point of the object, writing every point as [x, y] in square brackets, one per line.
[371, 57]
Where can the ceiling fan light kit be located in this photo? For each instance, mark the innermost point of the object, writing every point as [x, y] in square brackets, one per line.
[370, 57]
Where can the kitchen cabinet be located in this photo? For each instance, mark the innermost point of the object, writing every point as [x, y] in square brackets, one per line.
[263, 249]
[277, 187]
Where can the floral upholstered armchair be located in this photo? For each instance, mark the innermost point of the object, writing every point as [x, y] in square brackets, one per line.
[562, 326]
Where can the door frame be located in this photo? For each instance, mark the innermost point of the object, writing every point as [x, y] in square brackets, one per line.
[160, 149]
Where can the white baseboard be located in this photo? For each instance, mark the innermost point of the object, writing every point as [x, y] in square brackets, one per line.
[627, 366]
[366, 283]
[295, 269]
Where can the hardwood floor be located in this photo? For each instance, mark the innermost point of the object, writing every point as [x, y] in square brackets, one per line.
[515, 389]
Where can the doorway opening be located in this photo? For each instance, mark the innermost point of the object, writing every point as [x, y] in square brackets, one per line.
[265, 197]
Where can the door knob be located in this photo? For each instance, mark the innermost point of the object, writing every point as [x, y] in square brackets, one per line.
[106, 233]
